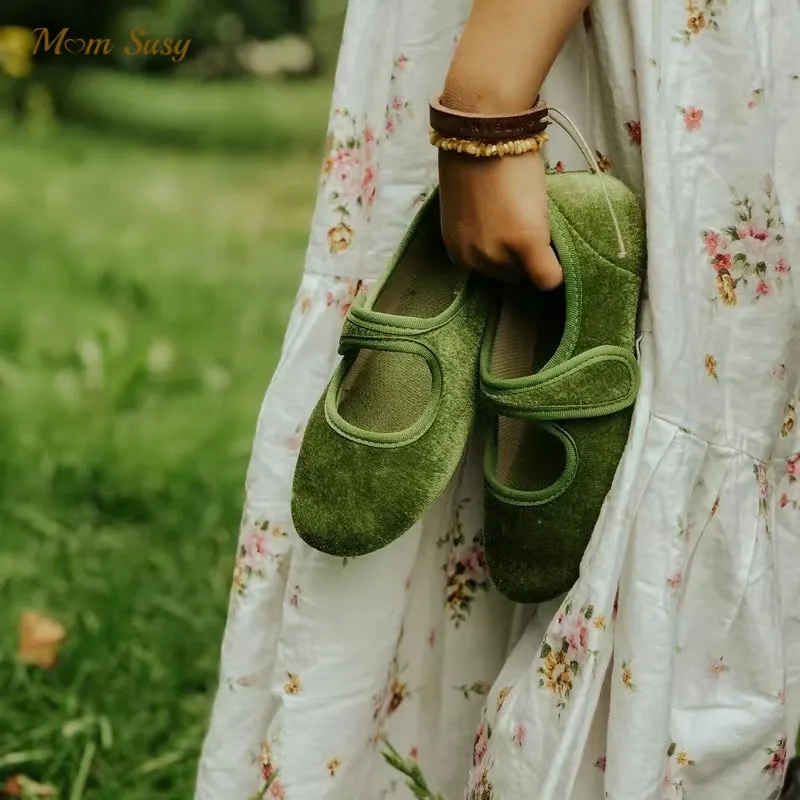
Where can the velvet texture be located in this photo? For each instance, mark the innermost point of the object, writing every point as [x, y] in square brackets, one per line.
[351, 497]
[535, 539]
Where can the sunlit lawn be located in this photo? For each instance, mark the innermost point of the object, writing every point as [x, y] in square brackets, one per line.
[143, 292]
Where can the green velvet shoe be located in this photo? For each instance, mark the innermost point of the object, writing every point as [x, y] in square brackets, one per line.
[390, 429]
[558, 376]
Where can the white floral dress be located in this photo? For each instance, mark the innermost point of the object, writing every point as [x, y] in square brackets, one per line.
[672, 668]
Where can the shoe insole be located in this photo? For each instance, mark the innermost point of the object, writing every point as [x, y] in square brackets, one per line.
[529, 331]
[387, 392]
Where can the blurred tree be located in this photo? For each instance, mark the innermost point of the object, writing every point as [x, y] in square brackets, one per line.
[83, 17]
[195, 19]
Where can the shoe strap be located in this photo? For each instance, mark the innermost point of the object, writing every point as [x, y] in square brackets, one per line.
[357, 335]
[560, 392]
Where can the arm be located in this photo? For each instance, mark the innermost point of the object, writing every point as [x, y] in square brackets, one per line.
[494, 211]
[505, 52]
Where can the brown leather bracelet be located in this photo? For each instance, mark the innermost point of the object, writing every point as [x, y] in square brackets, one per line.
[462, 125]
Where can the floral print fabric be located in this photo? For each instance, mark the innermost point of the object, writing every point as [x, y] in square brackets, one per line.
[671, 671]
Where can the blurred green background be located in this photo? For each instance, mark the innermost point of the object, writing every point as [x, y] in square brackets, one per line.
[153, 222]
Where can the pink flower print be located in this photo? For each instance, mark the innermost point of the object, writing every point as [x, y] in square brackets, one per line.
[674, 581]
[601, 763]
[692, 118]
[480, 746]
[368, 136]
[345, 163]
[763, 288]
[432, 638]
[634, 129]
[751, 231]
[413, 754]
[329, 299]
[401, 61]
[761, 478]
[277, 791]
[559, 167]
[781, 267]
[755, 98]
[294, 599]
[793, 467]
[390, 126]
[353, 291]
[723, 261]
[557, 627]
[718, 667]
[476, 563]
[578, 637]
[368, 186]
[711, 242]
[777, 763]
[347, 170]
[784, 501]
[397, 103]
[520, 732]
[782, 696]
[255, 549]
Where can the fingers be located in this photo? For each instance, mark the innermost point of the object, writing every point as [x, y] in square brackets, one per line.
[540, 264]
[496, 263]
[526, 258]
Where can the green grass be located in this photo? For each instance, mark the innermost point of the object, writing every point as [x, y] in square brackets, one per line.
[144, 288]
[248, 117]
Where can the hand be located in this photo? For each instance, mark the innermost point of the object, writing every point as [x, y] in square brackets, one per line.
[494, 217]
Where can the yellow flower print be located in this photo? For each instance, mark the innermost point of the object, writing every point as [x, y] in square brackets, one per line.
[726, 288]
[788, 420]
[603, 162]
[239, 578]
[558, 674]
[696, 23]
[701, 15]
[305, 305]
[501, 696]
[683, 759]
[293, 685]
[627, 676]
[398, 693]
[566, 650]
[711, 366]
[333, 765]
[340, 237]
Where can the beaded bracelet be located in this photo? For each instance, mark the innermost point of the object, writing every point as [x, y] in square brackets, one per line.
[480, 149]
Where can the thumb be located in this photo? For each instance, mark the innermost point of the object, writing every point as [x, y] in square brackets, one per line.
[540, 264]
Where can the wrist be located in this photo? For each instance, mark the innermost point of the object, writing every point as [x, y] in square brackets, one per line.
[484, 93]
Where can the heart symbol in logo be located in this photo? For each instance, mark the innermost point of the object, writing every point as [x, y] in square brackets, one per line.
[74, 46]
